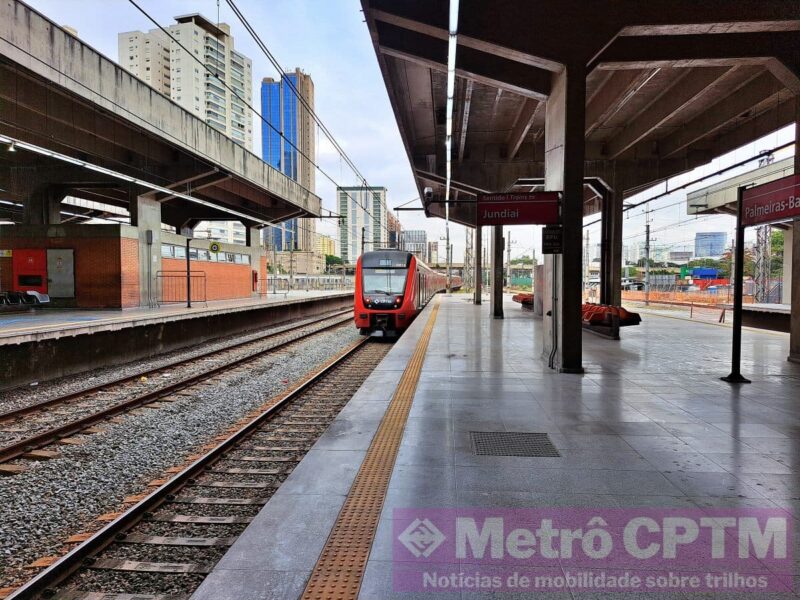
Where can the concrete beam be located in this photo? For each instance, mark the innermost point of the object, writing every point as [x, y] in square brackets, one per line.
[720, 114]
[528, 112]
[431, 52]
[794, 324]
[614, 94]
[465, 107]
[695, 50]
[687, 89]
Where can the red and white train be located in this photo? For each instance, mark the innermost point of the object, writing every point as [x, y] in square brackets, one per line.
[392, 287]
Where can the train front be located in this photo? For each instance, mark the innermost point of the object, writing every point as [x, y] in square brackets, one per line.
[384, 296]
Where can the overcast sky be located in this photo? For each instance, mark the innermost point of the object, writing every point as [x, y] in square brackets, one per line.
[330, 41]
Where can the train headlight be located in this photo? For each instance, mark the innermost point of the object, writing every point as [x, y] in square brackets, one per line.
[398, 299]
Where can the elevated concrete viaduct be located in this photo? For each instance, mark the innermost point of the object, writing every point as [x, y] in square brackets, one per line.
[79, 125]
[557, 94]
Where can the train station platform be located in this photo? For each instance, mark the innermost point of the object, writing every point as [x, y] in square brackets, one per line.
[43, 343]
[649, 425]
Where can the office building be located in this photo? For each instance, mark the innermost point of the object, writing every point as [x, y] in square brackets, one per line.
[433, 253]
[285, 107]
[395, 230]
[363, 221]
[416, 242]
[710, 244]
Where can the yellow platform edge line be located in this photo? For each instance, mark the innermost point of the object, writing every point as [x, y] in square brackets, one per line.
[343, 560]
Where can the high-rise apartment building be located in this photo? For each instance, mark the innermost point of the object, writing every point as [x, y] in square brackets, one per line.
[326, 245]
[219, 92]
[292, 153]
[364, 221]
[206, 92]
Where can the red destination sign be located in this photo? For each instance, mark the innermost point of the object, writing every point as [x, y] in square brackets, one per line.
[777, 200]
[532, 208]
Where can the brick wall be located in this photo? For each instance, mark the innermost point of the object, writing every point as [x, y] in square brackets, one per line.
[224, 281]
[5, 273]
[129, 275]
[97, 266]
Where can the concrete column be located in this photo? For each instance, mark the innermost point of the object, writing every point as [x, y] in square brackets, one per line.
[611, 250]
[794, 328]
[564, 153]
[786, 295]
[146, 217]
[43, 206]
[478, 245]
[497, 271]
[252, 236]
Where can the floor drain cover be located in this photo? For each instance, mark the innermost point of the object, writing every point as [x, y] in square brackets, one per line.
[511, 443]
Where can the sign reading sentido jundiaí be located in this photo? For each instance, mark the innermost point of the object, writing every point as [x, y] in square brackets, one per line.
[771, 202]
[528, 208]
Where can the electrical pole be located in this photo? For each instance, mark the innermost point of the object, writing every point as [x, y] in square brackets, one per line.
[291, 265]
[508, 267]
[647, 259]
[363, 234]
[585, 277]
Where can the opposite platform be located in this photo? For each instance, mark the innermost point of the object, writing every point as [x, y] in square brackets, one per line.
[649, 425]
[49, 343]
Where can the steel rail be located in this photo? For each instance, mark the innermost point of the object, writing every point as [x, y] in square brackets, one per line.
[25, 410]
[43, 583]
[49, 436]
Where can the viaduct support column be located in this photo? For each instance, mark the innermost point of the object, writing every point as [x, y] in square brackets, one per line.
[794, 335]
[497, 271]
[43, 206]
[478, 245]
[563, 171]
[146, 217]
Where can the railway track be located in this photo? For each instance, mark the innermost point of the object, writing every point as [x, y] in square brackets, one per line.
[163, 546]
[57, 420]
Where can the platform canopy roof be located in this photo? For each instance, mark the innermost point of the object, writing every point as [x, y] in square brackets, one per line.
[669, 85]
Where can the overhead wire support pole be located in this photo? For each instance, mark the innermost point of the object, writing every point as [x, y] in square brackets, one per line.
[735, 375]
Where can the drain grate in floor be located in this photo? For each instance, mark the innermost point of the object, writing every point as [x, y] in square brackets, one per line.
[512, 443]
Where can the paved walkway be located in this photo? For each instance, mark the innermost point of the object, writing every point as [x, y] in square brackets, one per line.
[649, 425]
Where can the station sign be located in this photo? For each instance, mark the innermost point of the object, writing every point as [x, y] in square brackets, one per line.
[553, 239]
[777, 200]
[527, 208]
[214, 247]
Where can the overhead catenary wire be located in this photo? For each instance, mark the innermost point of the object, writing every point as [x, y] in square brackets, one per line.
[250, 106]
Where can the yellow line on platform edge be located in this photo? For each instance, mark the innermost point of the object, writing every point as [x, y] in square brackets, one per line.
[343, 560]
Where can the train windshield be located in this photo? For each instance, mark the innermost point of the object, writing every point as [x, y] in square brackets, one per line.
[384, 281]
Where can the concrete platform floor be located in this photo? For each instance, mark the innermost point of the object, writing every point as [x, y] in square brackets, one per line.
[649, 425]
[44, 320]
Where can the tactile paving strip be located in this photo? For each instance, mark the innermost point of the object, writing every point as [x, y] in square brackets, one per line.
[340, 567]
[511, 443]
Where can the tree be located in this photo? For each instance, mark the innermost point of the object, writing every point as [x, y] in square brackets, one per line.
[330, 259]
[776, 254]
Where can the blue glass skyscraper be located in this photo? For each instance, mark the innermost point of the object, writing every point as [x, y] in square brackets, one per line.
[284, 112]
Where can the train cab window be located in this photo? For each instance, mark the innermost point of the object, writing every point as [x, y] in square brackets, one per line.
[384, 281]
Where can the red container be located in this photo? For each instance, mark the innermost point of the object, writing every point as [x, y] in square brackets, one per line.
[29, 270]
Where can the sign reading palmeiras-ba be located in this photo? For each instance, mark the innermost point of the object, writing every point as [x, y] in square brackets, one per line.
[529, 208]
[777, 200]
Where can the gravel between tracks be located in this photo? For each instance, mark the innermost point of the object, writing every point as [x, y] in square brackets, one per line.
[40, 508]
[31, 394]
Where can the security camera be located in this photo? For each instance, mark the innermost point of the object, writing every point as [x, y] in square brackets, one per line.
[428, 192]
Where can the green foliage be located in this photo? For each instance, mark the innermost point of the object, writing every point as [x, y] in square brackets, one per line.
[330, 259]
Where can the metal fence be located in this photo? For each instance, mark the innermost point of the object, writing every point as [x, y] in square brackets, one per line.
[172, 287]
